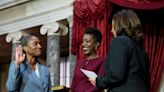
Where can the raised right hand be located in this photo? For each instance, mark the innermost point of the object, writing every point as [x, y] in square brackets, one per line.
[19, 56]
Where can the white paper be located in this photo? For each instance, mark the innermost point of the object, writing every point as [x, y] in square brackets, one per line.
[89, 74]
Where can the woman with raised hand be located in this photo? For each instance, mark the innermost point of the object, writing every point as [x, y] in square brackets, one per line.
[26, 74]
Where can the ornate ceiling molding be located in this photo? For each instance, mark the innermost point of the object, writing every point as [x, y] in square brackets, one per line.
[9, 3]
[57, 14]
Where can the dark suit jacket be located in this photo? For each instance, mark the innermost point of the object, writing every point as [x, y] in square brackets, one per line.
[127, 67]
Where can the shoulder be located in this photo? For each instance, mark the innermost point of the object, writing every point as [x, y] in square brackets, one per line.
[101, 59]
[12, 65]
[122, 39]
[43, 68]
[98, 60]
[81, 61]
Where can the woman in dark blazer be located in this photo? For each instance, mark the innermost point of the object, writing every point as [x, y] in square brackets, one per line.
[127, 65]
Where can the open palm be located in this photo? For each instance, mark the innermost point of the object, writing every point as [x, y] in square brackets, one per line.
[19, 55]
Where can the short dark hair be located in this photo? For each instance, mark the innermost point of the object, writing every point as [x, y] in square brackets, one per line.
[95, 32]
[25, 40]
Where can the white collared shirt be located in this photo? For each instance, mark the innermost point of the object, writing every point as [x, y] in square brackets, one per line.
[37, 70]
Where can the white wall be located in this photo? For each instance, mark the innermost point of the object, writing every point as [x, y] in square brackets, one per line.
[34, 13]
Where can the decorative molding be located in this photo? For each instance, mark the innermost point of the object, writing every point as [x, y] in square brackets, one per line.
[54, 28]
[36, 20]
[10, 3]
[14, 37]
[49, 28]
[63, 29]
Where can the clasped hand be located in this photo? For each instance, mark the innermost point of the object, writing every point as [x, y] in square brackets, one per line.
[93, 81]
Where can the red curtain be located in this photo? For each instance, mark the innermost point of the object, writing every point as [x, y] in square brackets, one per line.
[97, 13]
[154, 45]
[139, 4]
[90, 13]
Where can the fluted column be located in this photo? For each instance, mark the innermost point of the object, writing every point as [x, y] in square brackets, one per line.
[54, 31]
[15, 39]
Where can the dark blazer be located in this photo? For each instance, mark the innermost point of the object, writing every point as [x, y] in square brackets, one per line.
[127, 67]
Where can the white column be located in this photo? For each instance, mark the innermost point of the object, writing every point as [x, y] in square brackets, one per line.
[54, 31]
[15, 39]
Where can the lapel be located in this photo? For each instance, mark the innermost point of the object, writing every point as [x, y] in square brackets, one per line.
[41, 73]
[34, 77]
[44, 78]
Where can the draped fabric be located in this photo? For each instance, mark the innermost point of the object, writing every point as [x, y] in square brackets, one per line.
[154, 45]
[155, 49]
[139, 4]
[97, 13]
[90, 13]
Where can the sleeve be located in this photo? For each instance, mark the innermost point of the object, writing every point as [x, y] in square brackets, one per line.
[73, 84]
[49, 85]
[73, 79]
[14, 78]
[100, 72]
[94, 89]
[115, 64]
